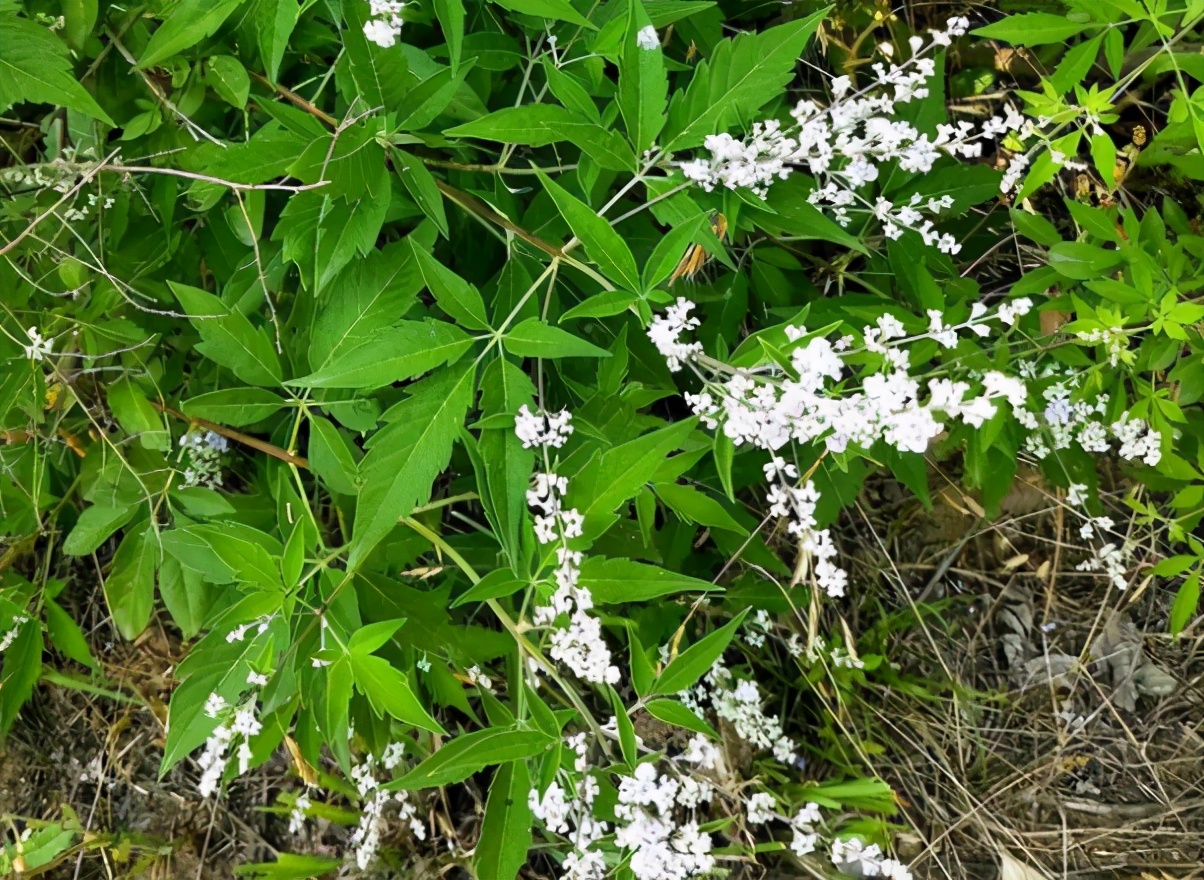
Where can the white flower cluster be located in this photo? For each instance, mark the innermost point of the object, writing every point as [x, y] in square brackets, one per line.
[666, 331]
[204, 450]
[38, 347]
[1065, 421]
[765, 409]
[298, 814]
[738, 701]
[768, 409]
[649, 824]
[542, 429]
[477, 677]
[11, 634]
[852, 856]
[239, 721]
[384, 27]
[845, 145]
[577, 644]
[374, 800]
[659, 814]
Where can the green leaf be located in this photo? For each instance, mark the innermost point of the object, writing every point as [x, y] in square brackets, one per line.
[606, 247]
[94, 527]
[451, 18]
[190, 22]
[184, 594]
[605, 146]
[380, 75]
[234, 406]
[371, 638]
[431, 97]
[501, 850]
[420, 184]
[372, 293]
[1081, 261]
[322, 235]
[568, 91]
[643, 85]
[1103, 156]
[274, 23]
[1076, 64]
[66, 635]
[22, 669]
[80, 18]
[459, 299]
[228, 337]
[1036, 227]
[35, 66]
[601, 305]
[534, 338]
[621, 471]
[470, 753]
[136, 415]
[690, 664]
[724, 453]
[215, 665]
[615, 581]
[503, 466]
[290, 867]
[533, 125]
[740, 77]
[556, 10]
[406, 455]
[1097, 221]
[498, 584]
[130, 586]
[388, 690]
[329, 456]
[227, 552]
[697, 507]
[1033, 29]
[392, 355]
[673, 712]
[226, 75]
[1187, 600]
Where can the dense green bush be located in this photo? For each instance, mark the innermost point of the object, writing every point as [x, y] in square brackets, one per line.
[477, 387]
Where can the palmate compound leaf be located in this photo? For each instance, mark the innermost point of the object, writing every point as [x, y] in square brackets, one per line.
[407, 454]
[34, 66]
[742, 75]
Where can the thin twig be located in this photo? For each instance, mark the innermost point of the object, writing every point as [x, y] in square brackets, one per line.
[237, 436]
[205, 178]
[67, 195]
[195, 130]
[474, 205]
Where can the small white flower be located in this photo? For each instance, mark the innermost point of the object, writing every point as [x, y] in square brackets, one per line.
[760, 808]
[38, 347]
[647, 39]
